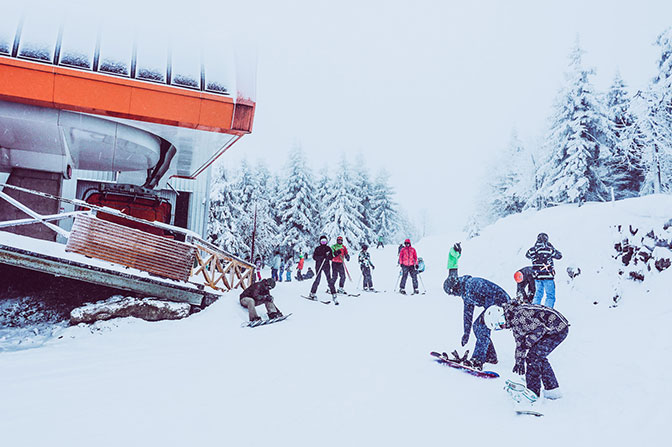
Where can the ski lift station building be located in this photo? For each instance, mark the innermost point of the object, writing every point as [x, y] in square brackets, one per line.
[87, 110]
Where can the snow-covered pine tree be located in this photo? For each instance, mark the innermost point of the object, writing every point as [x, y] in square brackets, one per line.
[578, 133]
[653, 110]
[296, 205]
[342, 216]
[364, 193]
[512, 185]
[624, 169]
[267, 232]
[384, 212]
[223, 213]
[321, 190]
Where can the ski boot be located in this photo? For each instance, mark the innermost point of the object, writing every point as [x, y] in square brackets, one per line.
[333, 298]
[313, 296]
[520, 393]
[402, 291]
[416, 291]
[342, 291]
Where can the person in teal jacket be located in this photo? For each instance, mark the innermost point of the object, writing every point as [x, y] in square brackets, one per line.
[453, 257]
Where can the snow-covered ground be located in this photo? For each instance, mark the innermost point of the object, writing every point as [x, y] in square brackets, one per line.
[360, 373]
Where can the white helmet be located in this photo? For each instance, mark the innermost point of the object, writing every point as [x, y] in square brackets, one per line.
[494, 318]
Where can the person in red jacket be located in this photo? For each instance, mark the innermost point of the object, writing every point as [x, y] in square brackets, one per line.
[337, 268]
[408, 260]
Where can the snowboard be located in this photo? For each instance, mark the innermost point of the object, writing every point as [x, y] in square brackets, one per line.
[264, 322]
[445, 360]
[315, 299]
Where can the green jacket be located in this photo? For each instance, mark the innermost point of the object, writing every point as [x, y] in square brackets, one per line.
[453, 256]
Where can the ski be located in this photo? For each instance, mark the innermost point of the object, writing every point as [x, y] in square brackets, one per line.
[354, 295]
[315, 299]
[264, 322]
[442, 358]
[529, 412]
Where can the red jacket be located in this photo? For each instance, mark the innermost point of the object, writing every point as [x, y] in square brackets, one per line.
[408, 256]
[300, 264]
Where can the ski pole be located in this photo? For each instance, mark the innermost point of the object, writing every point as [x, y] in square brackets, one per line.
[346, 271]
[394, 288]
[422, 282]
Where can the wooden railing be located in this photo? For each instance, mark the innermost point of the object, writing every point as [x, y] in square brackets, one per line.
[218, 269]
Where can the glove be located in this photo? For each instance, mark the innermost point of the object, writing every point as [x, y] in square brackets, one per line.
[519, 368]
[347, 257]
[373, 267]
[458, 247]
[465, 339]
[416, 266]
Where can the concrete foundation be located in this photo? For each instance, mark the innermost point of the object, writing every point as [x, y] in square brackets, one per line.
[47, 182]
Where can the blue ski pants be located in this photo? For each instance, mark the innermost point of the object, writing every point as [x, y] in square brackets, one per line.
[538, 368]
[544, 285]
[484, 349]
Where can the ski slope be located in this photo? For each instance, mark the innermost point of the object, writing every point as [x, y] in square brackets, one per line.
[360, 374]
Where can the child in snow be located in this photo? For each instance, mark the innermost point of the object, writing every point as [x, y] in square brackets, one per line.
[288, 269]
[257, 294]
[453, 256]
[299, 268]
[258, 266]
[542, 254]
[538, 330]
[366, 266]
[526, 288]
[482, 293]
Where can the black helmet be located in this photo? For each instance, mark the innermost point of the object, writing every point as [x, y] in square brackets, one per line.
[364, 246]
[451, 285]
[542, 237]
[270, 282]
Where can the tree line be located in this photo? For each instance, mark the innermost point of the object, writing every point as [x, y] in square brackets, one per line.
[600, 146]
[294, 207]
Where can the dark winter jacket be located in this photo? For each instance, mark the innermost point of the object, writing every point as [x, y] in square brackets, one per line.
[309, 274]
[260, 291]
[542, 255]
[526, 288]
[322, 257]
[530, 323]
[478, 292]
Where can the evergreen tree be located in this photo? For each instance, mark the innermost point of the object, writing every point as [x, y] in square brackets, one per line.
[267, 231]
[364, 193]
[624, 170]
[513, 183]
[321, 191]
[342, 215]
[578, 133]
[223, 214]
[383, 208]
[296, 206]
[654, 118]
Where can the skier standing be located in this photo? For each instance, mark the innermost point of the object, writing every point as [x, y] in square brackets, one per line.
[408, 259]
[338, 269]
[257, 294]
[453, 256]
[538, 330]
[288, 269]
[299, 268]
[542, 254]
[276, 262]
[526, 288]
[380, 242]
[322, 256]
[365, 265]
[482, 293]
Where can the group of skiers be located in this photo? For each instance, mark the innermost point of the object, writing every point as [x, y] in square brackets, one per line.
[537, 329]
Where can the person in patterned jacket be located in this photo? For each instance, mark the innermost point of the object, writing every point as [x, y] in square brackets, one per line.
[538, 330]
[542, 254]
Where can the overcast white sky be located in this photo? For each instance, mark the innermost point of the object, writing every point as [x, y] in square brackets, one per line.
[429, 90]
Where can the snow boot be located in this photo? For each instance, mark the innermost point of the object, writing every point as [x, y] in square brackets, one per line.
[553, 394]
[476, 364]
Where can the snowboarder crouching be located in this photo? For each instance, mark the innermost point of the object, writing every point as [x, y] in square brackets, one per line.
[482, 293]
[257, 294]
[526, 284]
[538, 330]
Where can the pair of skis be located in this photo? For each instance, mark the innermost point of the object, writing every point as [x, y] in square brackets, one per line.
[264, 322]
[320, 301]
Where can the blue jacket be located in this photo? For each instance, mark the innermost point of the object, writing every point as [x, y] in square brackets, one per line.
[478, 292]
